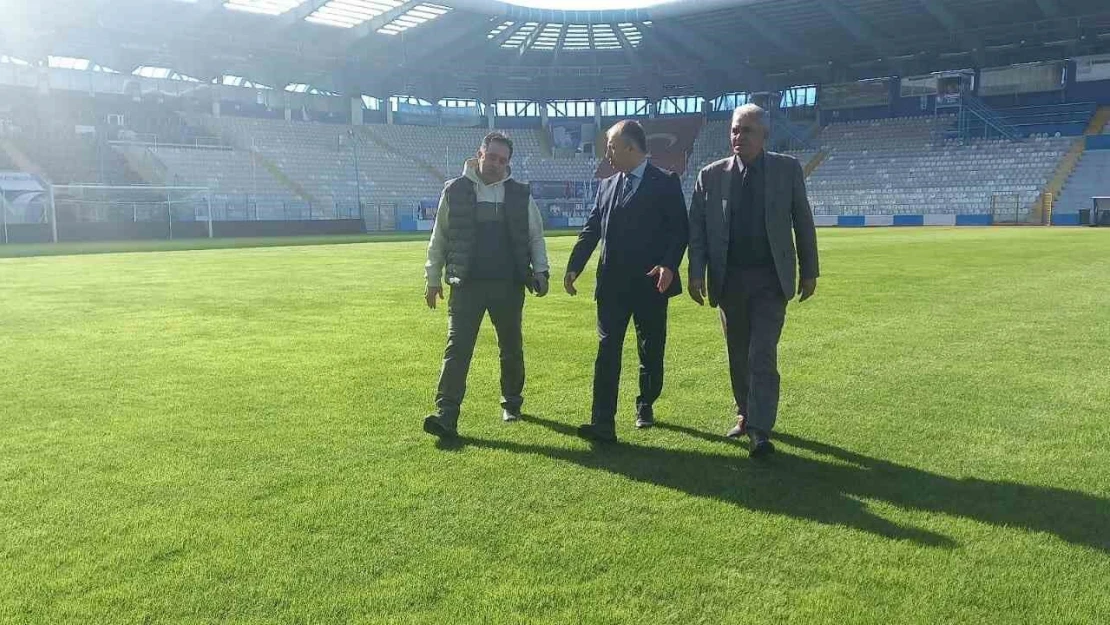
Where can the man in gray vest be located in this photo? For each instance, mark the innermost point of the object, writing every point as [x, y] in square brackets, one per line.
[752, 231]
[488, 235]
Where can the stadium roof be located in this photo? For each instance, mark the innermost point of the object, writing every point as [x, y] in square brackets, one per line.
[488, 49]
[587, 5]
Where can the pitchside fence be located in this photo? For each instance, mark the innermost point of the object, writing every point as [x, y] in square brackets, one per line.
[102, 212]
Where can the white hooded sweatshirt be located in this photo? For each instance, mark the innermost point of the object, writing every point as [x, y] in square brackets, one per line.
[495, 193]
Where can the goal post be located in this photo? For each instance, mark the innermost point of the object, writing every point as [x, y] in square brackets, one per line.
[133, 208]
[1100, 211]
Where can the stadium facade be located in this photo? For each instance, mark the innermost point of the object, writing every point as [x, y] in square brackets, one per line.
[167, 118]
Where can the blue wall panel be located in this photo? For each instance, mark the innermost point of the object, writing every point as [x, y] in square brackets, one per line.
[909, 220]
[973, 220]
[1098, 142]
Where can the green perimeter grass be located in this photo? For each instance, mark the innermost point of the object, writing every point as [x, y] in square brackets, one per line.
[234, 436]
[20, 250]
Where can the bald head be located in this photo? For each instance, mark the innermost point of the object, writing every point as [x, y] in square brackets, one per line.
[627, 145]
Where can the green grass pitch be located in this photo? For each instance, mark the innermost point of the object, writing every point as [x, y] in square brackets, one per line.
[233, 435]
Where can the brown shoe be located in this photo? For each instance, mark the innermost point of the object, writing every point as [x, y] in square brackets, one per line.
[740, 429]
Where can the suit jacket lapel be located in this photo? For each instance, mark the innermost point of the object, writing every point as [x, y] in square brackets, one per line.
[612, 200]
[644, 181]
[726, 190]
[770, 192]
[771, 182]
[617, 191]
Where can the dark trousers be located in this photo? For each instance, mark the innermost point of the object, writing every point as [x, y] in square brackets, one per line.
[753, 310]
[466, 307]
[650, 318]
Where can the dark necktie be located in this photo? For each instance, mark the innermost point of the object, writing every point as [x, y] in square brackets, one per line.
[626, 194]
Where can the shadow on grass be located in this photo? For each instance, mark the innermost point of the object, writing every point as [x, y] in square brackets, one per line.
[831, 490]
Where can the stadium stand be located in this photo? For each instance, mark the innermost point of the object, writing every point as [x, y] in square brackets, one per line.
[873, 167]
[63, 140]
[398, 164]
[581, 168]
[67, 153]
[445, 149]
[442, 149]
[1065, 119]
[526, 142]
[896, 167]
[309, 153]
[240, 187]
[713, 143]
[66, 157]
[320, 158]
[266, 168]
[1090, 178]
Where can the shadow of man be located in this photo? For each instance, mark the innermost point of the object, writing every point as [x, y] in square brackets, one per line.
[830, 491]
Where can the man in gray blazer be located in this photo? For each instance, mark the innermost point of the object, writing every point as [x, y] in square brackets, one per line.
[746, 214]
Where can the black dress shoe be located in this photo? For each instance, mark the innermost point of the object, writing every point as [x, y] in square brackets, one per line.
[740, 429]
[508, 415]
[436, 426]
[645, 420]
[593, 433]
[759, 444]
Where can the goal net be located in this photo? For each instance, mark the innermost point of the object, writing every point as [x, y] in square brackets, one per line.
[147, 209]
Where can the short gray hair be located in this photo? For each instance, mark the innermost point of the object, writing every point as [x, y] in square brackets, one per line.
[754, 110]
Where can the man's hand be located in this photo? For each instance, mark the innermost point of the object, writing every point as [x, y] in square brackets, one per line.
[540, 284]
[696, 289]
[431, 294]
[663, 277]
[806, 288]
[568, 283]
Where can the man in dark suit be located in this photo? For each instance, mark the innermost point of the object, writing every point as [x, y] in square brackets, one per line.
[745, 216]
[640, 220]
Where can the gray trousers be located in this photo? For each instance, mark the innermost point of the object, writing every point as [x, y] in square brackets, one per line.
[466, 307]
[753, 311]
